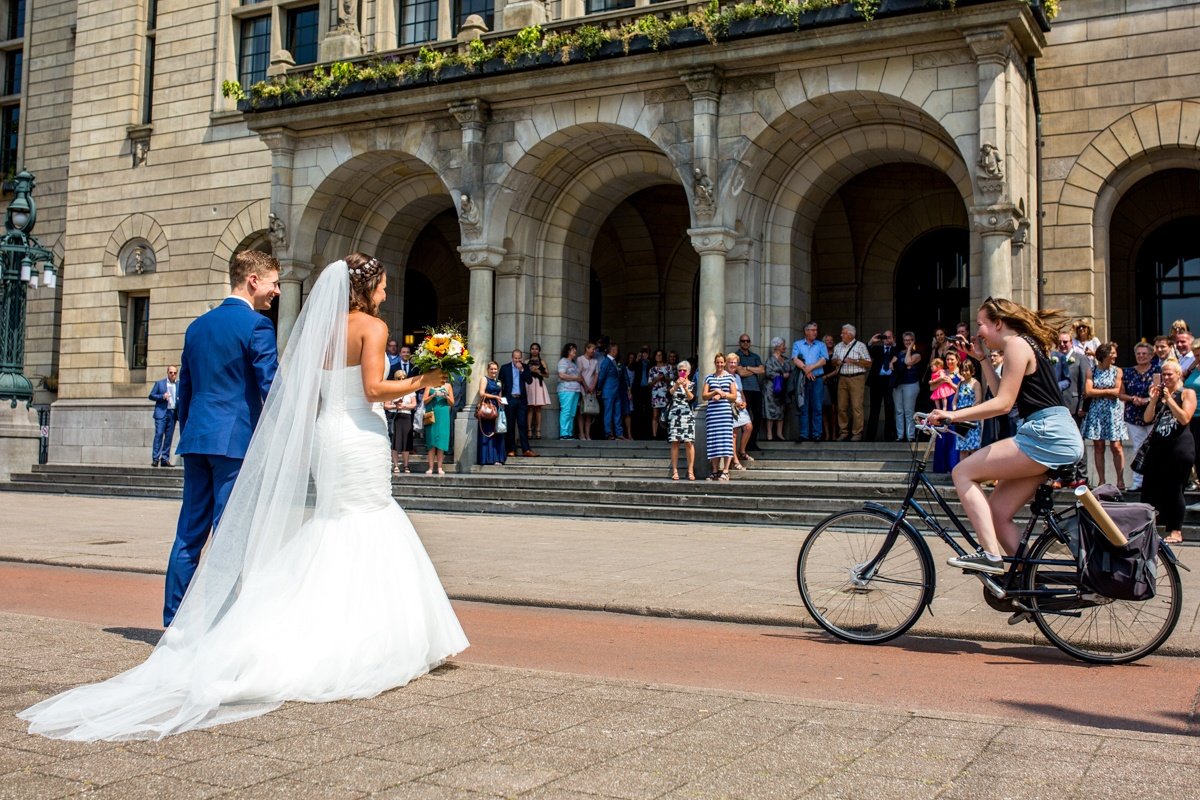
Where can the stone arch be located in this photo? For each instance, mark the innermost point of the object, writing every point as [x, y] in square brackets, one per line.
[248, 223]
[1155, 137]
[785, 181]
[546, 212]
[137, 226]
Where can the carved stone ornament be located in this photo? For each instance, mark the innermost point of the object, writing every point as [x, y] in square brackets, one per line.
[990, 168]
[277, 232]
[137, 257]
[139, 142]
[348, 15]
[702, 195]
[468, 215]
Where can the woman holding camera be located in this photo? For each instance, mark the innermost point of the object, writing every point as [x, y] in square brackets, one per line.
[1172, 451]
[681, 420]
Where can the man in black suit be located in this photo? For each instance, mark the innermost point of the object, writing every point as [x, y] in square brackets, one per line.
[641, 394]
[512, 388]
[882, 348]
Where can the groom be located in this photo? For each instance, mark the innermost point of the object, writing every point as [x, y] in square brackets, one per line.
[228, 363]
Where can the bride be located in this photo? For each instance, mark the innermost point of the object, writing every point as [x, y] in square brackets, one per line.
[311, 590]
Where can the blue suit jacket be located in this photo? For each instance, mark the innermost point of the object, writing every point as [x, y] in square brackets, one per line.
[159, 395]
[228, 364]
[608, 379]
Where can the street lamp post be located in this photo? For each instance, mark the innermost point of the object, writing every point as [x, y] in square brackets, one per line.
[20, 257]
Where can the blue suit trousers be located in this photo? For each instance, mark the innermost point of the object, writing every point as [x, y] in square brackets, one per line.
[207, 482]
[612, 414]
[164, 432]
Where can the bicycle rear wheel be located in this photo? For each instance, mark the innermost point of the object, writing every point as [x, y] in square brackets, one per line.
[866, 609]
[1106, 631]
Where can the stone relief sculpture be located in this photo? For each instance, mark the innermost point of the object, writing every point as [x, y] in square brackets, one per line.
[348, 14]
[702, 194]
[139, 259]
[469, 214]
[277, 232]
[991, 164]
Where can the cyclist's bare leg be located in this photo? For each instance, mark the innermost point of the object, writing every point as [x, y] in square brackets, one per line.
[1017, 477]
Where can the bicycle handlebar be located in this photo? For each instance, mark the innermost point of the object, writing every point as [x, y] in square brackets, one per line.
[960, 429]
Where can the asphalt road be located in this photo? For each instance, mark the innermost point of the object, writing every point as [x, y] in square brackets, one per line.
[1012, 681]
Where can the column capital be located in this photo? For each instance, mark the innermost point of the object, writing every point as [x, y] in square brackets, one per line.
[482, 256]
[703, 82]
[997, 220]
[280, 140]
[991, 45]
[712, 240]
[473, 112]
[294, 271]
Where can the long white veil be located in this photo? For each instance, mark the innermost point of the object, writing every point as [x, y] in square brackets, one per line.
[173, 690]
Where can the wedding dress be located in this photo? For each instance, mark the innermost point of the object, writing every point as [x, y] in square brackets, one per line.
[310, 591]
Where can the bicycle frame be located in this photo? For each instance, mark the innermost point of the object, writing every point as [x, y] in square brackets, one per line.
[1042, 508]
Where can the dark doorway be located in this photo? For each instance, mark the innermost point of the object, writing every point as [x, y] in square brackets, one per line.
[1168, 276]
[933, 283]
[420, 304]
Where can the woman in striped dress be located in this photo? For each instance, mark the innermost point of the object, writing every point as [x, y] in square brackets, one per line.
[719, 391]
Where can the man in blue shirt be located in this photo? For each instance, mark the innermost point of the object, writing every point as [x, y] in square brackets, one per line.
[809, 355]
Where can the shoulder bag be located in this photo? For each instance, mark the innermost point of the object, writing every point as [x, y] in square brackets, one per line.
[485, 411]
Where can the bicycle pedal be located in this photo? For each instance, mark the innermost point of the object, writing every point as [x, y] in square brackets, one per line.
[991, 585]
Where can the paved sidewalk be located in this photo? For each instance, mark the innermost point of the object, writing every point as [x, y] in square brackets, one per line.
[487, 732]
[716, 572]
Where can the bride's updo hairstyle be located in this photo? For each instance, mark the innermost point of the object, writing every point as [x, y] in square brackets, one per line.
[1042, 326]
[365, 273]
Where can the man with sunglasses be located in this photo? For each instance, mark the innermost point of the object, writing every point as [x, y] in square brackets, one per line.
[751, 370]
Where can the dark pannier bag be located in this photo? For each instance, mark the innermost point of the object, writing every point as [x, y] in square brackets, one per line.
[1122, 573]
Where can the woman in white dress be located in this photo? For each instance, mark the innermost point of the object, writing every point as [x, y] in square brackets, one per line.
[310, 592]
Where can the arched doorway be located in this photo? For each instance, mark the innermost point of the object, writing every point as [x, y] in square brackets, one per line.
[1168, 276]
[932, 286]
[1154, 258]
[644, 267]
[436, 285]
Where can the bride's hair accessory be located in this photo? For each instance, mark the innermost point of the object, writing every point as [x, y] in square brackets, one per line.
[365, 272]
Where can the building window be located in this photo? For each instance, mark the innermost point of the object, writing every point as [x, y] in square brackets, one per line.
[302, 33]
[139, 331]
[16, 19]
[600, 6]
[254, 55]
[10, 129]
[148, 69]
[12, 71]
[484, 8]
[418, 21]
[1168, 273]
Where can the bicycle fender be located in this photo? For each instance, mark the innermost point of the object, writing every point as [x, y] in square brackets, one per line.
[1171, 557]
[926, 555]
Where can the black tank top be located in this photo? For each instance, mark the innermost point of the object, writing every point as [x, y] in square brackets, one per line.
[1039, 390]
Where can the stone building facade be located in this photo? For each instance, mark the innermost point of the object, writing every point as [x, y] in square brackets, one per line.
[884, 173]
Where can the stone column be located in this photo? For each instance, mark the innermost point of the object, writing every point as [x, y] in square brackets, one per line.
[291, 289]
[482, 262]
[712, 244]
[996, 226]
[704, 84]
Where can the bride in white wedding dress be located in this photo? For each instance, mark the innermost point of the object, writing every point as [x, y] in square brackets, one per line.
[310, 590]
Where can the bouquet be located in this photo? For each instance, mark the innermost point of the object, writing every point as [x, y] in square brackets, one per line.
[444, 348]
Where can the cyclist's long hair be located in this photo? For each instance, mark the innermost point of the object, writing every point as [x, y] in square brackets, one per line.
[1042, 326]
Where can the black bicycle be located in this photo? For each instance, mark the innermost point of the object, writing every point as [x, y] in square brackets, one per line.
[866, 575]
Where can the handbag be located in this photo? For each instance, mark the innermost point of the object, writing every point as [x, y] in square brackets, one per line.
[777, 384]
[486, 411]
[501, 423]
[1139, 458]
[591, 404]
[428, 418]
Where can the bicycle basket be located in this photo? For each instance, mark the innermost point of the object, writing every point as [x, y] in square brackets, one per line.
[1125, 572]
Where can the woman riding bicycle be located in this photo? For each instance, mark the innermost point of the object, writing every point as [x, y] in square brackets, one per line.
[1047, 438]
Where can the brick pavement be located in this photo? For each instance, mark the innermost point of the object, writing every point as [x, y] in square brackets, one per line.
[716, 572]
[486, 732]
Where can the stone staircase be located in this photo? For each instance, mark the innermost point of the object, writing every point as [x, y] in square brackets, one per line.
[789, 484]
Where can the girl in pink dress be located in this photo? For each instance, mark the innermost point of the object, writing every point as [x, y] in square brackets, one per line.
[941, 385]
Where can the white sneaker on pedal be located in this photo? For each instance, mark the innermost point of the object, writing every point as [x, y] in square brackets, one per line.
[977, 562]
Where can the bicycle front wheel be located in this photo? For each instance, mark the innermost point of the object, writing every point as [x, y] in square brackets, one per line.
[843, 597]
[1094, 628]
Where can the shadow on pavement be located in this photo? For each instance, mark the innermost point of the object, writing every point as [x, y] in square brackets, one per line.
[1074, 716]
[148, 635]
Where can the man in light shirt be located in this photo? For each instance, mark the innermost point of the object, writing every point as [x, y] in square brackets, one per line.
[851, 360]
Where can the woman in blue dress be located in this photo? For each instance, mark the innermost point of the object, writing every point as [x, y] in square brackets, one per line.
[1105, 421]
[968, 395]
[719, 392]
[491, 444]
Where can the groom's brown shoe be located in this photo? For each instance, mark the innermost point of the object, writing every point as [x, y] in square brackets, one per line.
[529, 454]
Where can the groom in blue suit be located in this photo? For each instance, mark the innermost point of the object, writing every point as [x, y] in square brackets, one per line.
[228, 364]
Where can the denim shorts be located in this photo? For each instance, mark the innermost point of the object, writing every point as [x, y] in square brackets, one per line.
[1050, 437]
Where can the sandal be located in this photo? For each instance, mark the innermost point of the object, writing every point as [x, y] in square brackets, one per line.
[739, 466]
[396, 470]
[691, 476]
[441, 471]
[675, 475]
[1173, 540]
[724, 476]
